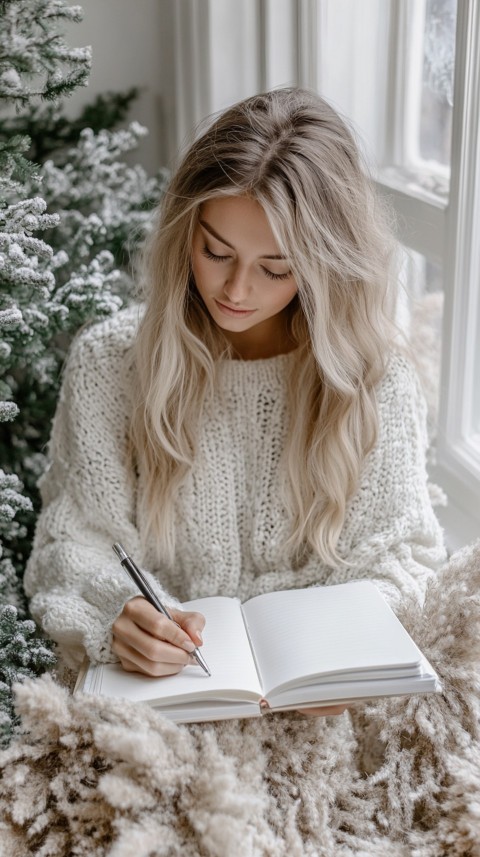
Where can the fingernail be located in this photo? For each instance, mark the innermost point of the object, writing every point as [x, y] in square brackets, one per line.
[199, 637]
[189, 646]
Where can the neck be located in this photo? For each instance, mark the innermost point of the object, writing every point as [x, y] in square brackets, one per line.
[262, 341]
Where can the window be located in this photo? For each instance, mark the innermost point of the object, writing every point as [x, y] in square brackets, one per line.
[422, 125]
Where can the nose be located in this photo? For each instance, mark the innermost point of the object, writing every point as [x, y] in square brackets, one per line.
[237, 287]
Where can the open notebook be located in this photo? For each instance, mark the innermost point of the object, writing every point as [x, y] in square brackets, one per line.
[283, 650]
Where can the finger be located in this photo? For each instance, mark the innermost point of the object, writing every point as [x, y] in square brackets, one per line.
[137, 662]
[150, 647]
[158, 672]
[156, 624]
[128, 666]
[192, 623]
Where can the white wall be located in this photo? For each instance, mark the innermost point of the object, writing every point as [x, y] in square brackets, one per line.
[133, 45]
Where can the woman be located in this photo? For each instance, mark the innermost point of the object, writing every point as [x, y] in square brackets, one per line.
[258, 427]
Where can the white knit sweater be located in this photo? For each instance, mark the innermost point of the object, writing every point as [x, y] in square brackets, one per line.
[229, 521]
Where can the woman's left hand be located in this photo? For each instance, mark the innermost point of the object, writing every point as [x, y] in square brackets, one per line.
[323, 712]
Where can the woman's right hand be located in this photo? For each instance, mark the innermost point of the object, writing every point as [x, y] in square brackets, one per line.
[149, 643]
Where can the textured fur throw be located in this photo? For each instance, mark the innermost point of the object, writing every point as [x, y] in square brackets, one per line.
[399, 778]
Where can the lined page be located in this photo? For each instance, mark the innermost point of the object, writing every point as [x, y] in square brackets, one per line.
[226, 650]
[329, 629]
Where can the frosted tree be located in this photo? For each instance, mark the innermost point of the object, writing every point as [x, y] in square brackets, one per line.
[98, 208]
[64, 223]
[34, 62]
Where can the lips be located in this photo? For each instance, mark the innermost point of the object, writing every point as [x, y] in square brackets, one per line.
[233, 312]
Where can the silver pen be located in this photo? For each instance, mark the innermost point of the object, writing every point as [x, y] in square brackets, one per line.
[141, 581]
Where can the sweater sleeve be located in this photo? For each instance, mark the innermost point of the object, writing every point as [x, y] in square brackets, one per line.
[394, 537]
[75, 584]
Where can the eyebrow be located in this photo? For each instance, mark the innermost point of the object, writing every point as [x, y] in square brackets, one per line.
[219, 238]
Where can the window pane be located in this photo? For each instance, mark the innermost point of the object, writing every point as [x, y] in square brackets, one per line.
[437, 85]
[422, 311]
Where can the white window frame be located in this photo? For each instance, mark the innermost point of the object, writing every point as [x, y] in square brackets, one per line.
[458, 466]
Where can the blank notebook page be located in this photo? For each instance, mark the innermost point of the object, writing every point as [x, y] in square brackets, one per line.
[226, 650]
[324, 630]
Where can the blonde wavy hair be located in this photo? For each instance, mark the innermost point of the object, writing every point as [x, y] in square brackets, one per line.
[290, 151]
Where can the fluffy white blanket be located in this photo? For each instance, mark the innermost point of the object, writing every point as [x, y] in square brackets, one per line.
[399, 778]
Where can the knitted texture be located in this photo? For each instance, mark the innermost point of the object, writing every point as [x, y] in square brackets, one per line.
[230, 525]
[397, 778]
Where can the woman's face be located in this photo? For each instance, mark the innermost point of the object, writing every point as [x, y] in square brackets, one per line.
[241, 275]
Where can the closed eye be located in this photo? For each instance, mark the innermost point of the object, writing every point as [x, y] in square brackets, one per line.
[273, 276]
[206, 252]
